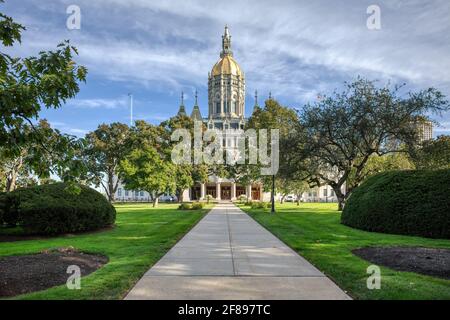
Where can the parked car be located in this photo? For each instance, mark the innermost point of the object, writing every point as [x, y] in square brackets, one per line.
[290, 198]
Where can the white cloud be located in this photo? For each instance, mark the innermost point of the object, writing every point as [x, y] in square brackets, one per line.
[121, 102]
[293, 48]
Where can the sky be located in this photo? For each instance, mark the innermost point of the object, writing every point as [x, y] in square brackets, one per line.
[298, 50]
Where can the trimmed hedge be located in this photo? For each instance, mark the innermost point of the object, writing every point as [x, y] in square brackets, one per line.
[415, 203]
[55, 209]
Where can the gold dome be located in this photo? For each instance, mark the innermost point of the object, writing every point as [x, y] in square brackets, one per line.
[227, 65]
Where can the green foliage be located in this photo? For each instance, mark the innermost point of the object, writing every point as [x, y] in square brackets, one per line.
[242, 198]
[56, 208]
[432, 154]
[105, 148]
[185, 206]
[145, 169]
[27, 85]
[339, 133]
[259, 205]
[402, 202]
[191, 206]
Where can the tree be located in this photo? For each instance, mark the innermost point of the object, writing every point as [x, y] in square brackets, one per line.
[432, 154]
[37, 151]
[337, 136]
[27, 85]
[271, 116]
[144, 169]
[106, 147]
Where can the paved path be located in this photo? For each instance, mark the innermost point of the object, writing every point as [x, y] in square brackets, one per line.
[228, 255]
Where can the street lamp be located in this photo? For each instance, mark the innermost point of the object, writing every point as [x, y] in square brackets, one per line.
[273, 194]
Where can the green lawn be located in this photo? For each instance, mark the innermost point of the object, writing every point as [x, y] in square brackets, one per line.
[142, 236]
[314, 231]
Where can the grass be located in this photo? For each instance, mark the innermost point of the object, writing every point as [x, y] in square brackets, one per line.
[314, 231]
[142, 236]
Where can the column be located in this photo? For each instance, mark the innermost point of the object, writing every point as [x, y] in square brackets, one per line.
[202, 191]
[218, 190]
[249, 192]
[233, 191]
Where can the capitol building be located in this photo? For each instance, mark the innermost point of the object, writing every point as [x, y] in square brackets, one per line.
[226, 114]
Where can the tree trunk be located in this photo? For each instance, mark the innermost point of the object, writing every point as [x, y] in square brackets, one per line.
[298, 200]
[340, 196]
[11, 182]
[155, 202]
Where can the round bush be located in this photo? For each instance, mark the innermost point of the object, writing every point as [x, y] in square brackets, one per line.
[56, 208]
[402, 202]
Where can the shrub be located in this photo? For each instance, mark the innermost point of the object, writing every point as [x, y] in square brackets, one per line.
[197, 206]
[242, 198]
[259, 205]
[54, 209]
[209, 198]
[402, 202]
[191, 206]
[185, 206]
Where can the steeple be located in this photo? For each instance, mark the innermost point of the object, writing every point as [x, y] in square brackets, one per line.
[182, 110]
[226, 44]
[256, 101]
[196, 115]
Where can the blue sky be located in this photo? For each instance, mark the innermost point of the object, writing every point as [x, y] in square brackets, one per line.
[296, 49]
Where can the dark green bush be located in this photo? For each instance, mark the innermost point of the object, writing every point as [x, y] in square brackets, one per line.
[402, 202]
[55, 208]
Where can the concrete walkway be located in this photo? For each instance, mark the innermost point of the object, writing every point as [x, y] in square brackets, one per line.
[228, 255]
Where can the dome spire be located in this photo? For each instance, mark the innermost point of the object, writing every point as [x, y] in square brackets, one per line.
[226, 43]
[182, 110]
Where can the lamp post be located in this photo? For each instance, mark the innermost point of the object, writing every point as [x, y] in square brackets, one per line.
[273, 194]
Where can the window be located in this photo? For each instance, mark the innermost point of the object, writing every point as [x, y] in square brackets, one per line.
[325, 192]
[217, 107]
[141, 193]
[119, 192]
[332, 192]
[136, 193]
[126, 193]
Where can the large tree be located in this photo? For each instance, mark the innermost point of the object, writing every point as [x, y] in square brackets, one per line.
[27, 85]
[145, 169]
[271, 116]
[337, 136]
[106, 147]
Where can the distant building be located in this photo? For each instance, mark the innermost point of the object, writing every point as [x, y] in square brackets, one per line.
[425, 129]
